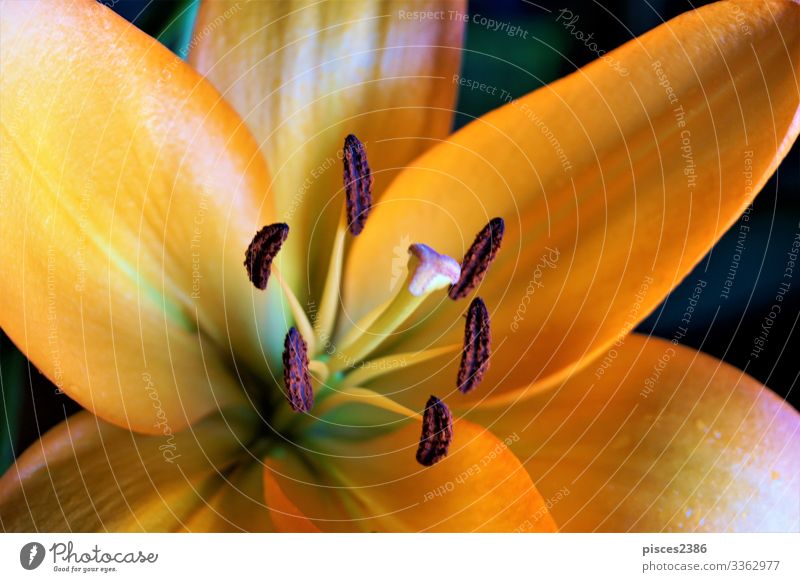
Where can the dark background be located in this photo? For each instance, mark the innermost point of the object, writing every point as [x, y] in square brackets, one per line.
[722, 328]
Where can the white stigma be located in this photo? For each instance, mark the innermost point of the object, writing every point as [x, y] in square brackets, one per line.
[432, 270]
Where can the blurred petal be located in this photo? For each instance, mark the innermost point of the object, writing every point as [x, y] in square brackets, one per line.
[238, 505]
[130, 191]
[86, 475]
[304, 75]
[665, 439]
[626, 180]
[375, 484]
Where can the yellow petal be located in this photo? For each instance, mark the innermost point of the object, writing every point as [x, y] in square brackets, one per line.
[666, 439]
[130, 191]
[238, 505]
[86, 475]
[626, 180]
[377, 485]
[304, 75]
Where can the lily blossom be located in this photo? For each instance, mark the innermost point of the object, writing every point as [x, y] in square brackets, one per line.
[332, 382]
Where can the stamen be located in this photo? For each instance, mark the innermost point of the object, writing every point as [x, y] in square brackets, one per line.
[300, 317]
[261, 252]
[427, 272]
[477, 342]
[295, 372]
[368, 371]
[329, 304]
[356, 395]
[357, 184]
[437, 432]
[478, 258]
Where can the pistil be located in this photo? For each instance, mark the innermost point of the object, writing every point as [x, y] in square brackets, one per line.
[428, 271]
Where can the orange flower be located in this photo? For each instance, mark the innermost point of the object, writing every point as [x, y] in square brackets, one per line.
[132, 187]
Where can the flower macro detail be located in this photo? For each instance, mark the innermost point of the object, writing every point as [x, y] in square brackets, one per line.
[478, 258]
[297, 395]
[357, 184]
[477, 343]
[295, 372]
[261, 252]
[437, 432]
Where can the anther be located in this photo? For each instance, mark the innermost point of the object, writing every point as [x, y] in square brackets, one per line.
[357, 184]
[477, 343]
[295, 372]
[261, 252]
[437, 432]
[478, 258]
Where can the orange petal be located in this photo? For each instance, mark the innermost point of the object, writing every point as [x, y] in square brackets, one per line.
[238, 505]
[660, 438]
[305, 75]
[376, 485]
[86, 475]
[130, 192]
[627, 180]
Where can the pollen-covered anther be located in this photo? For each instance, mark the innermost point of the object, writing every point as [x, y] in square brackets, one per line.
[295, 372]
[357, 184]
[262, 250]
[437, 432]
[477, 346]
[432, 271]
[478, 258]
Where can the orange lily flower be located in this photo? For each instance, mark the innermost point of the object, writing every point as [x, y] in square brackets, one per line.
[132, 184]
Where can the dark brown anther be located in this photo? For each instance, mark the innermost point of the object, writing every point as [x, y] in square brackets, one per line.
[260, 253]
[295, 372]
[478, 258]
[437, 432]
[357, 184]
[477, 344]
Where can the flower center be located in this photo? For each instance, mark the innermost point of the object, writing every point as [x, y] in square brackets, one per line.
[333, 373]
